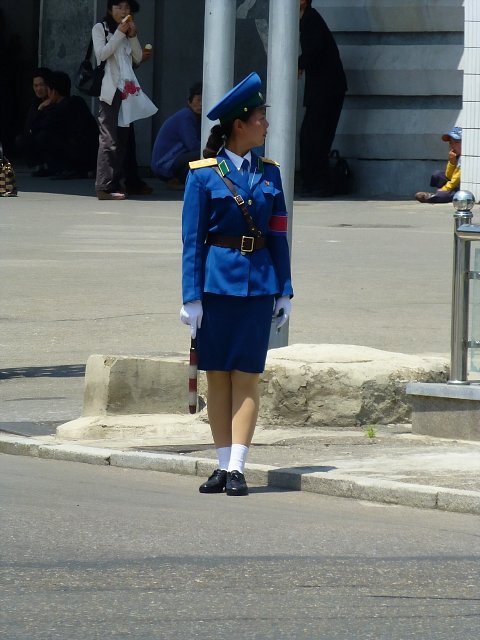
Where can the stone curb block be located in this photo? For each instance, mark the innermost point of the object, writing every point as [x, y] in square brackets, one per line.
[19, 446]
[385, 491]
[76, 453]
[205, 466]
[154, 462]
[459, 501]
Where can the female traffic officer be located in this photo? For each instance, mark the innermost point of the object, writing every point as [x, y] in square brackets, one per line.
[236, 272]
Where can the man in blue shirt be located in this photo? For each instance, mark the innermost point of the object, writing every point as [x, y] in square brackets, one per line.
[178, 140]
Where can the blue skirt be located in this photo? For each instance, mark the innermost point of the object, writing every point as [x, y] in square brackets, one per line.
[234, 333]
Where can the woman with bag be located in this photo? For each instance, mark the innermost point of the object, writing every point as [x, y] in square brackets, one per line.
[121, 99]
[236, 272]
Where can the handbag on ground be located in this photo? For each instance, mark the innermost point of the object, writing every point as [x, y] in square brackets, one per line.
[8, 183]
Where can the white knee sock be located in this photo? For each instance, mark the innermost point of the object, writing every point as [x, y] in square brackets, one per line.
[223, 454]
[238, 457]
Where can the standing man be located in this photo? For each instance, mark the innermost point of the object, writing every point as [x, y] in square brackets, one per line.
[325, 88]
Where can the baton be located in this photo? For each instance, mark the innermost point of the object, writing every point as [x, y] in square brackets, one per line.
[192, 377]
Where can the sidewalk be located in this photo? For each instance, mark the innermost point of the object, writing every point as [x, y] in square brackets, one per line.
[393, 467]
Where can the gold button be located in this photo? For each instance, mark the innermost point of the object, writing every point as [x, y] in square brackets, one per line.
[250, 202]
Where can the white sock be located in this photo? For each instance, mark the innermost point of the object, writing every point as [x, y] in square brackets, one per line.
[223, 454]
[238, 457]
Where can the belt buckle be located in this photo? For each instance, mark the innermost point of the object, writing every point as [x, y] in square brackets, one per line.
[239, 200]
[250, 240]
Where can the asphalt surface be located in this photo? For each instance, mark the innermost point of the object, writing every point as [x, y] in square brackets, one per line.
[94, 552]
[82, 277]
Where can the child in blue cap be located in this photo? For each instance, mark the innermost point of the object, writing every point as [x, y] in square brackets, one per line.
[447, 182]
[235, 272]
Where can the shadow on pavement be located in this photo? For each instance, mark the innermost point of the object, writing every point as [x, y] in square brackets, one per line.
[29, 429]
[86, 187]
[55, 371]
[291, 477]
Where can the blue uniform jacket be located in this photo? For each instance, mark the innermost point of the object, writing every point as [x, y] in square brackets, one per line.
[209, 207]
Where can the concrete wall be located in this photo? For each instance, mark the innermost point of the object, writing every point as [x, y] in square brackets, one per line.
[65, 32]
[403, 60]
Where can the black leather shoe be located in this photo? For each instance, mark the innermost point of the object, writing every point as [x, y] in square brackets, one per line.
[216, 482]
[236, 485]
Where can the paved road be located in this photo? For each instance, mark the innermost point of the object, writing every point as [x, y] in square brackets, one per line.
[96, 552]
[81, 276]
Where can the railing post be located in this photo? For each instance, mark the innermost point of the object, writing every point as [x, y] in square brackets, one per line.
[463, 202]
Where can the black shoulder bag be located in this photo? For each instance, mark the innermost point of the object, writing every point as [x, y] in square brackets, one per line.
[88, 79]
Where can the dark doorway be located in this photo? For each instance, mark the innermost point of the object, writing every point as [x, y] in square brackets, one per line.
[19, 31]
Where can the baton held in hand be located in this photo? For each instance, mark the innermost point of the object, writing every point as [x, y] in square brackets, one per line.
[192, 377]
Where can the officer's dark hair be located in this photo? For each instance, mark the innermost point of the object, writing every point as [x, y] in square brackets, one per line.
[41, 72]
[220, 133]
[59, 81]
[195, 90]
[108, 18]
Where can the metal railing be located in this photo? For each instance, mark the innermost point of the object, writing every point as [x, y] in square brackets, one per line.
[465, 234]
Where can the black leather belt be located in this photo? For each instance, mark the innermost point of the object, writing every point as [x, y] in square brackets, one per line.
[246, 244]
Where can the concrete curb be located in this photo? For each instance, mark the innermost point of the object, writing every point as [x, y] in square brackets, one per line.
[294, 479]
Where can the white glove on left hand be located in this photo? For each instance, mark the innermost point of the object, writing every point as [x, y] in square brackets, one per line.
[192, 313]
[283, 308]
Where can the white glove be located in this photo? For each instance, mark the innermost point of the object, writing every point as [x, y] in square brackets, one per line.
[283, 308]
[192, 313]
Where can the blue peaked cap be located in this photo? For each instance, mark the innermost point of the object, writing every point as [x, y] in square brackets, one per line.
[244, 96]
[453, 134]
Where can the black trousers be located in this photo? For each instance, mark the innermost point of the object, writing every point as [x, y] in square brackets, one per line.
[26, 148]
[438, 180]
[58, 152]
[316, 138]
[130, 165]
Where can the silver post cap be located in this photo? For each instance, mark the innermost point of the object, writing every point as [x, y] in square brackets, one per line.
[463, 201]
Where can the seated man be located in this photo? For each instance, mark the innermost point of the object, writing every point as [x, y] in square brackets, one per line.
[447, 183]
[24, 144]
[66, 135]
[178, 140]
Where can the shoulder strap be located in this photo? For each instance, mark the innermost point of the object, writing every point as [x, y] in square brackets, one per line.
[205, 162]
[88, 55]
[240, 202]
[269, 161]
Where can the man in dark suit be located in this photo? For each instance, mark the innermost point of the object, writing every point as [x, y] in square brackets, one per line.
[66, 134]
[325, 88]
